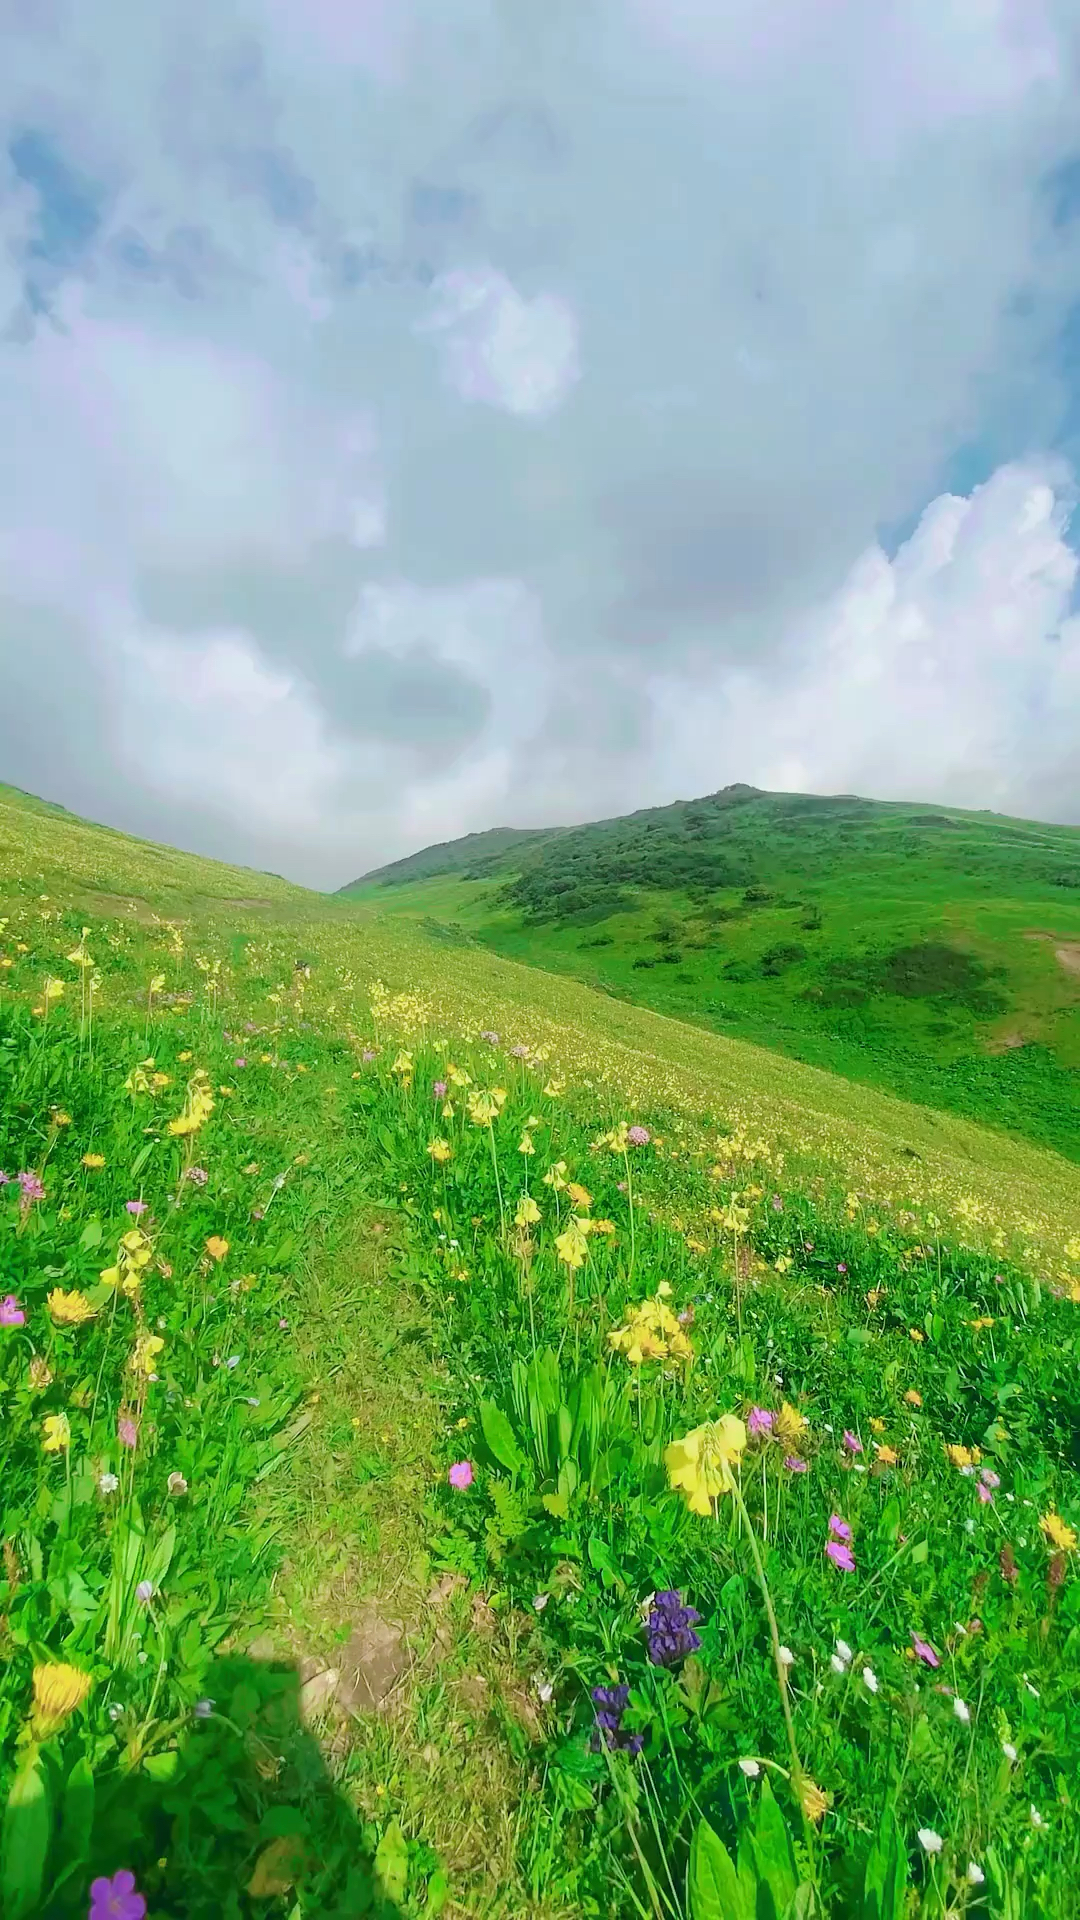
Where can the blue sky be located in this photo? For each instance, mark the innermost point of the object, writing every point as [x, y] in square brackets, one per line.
[426, 418]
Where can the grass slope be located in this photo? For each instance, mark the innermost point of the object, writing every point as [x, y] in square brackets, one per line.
[304, 1207]
[933, 953]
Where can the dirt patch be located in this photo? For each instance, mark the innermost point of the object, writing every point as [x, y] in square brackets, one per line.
[1006, 1042]
[1066, 952]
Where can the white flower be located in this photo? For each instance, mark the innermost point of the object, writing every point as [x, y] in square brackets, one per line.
[108, 1482]
[750, 1768]
[975, 1874]
[837, 1664]
[540, 1601]
[1034, 1691]
[115, 1711]
[787, 1658]
[930, 1841]
[870, 1681]
[969, 1525]
[961, 1711]
[233, 1360]
[544, 1688]
[1036, 1818]
[1008, 1750]
[844, 1651]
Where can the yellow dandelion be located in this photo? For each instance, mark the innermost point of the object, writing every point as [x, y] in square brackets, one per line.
[59, 1691]
[69, 1309]
[60, 1118]
[700, 1465]
[578, 1196]
[93, 1161]
[1057, 1533]
[791, 1427]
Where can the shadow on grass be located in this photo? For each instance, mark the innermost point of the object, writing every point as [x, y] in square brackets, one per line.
[239, 1819]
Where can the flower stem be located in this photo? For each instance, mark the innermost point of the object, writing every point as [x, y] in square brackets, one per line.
[774, 1634]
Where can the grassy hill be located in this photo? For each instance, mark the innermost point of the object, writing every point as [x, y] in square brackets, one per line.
[394, 1337]
[927, 951]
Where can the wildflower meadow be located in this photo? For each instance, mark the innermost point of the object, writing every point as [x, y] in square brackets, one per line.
[705, 1472]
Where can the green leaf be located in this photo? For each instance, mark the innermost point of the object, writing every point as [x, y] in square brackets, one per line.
[499, 1435]
[24, 1840]
[392, 1863]
[774, 1856]
[557, 1505]
[714, 1889]
[886, 1878]
[77, 1815]
[142, 1158]
[90, 1236]
[162, 1766]
[601, 1557]
[438, 1887]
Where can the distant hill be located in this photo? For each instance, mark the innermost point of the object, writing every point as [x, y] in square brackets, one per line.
[928, 950]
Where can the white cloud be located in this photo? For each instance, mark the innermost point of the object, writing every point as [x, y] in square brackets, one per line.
[950, 673]
[501, 348]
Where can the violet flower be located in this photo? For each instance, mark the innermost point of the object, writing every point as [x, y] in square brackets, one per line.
[610, 1704]
[924, 1651]
[11, 1314]
[638, 1136]
[670, 1629]
[116, 1899]
[759, 1421]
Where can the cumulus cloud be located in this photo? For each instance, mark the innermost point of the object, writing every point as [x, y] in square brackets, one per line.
[417, 420]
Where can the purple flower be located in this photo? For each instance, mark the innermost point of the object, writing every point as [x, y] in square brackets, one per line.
[794, 1465]
[116, 1899]
[758, 1421]
[145, 1592]
[31, 1188]
[460, 1475]
[637, 1136]
[610, 1704]
[839, 1528]
[5, 1179]
[852, 1441]
[670, 1629]
[197, 1175]
[925, 1651]
[438, 1088]
[519, 1052]
[491, 1038]
[11, 1314]
[135, 1206]
[840, 1267]
[840, 1555]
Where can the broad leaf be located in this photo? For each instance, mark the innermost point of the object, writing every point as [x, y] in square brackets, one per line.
[499, 1435]
[714, 1889]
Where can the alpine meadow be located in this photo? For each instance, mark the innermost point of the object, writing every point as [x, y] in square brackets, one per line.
[478, 1444]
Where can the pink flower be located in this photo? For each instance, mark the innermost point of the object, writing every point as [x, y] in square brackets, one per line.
[925, 1651]
[794, 1465]
[127, 1432]
[638, 1136]
[990, 1479]
[840, 1556]
[985, 1495]
[11, 1314]
[758, 1421]
[460, 1475]
[30, 1189]
[135, 1206]
[438, 1088]
[839, 1528]
[841, 1267]
[852, 1441]
[241, 1062]
[368, 1053]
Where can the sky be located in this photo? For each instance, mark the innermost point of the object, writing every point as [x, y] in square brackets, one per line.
[428, 415]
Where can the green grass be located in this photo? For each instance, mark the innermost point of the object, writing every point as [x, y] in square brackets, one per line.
[895, 1275]
[890, 943]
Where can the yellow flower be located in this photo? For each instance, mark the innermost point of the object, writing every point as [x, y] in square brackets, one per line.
[815, 1804]
[60, 1118]
[69, 1309]
[161, 1080]
[556, 1176]
[184, 1056]
[578, 1196]
[143, 1354]
[457, 1076]
[216, 1247]
[527, 1213]
[440, 1149]
[572, 1245]
[783, 1262]
[877, 1426]
[403, 1063]
[54, 989]
[605, 1226]
[984, 1320]
[483, 1109]
[913, 1397]
[791, 1428]
[1059, 1535]
[554, 1088]
[887, 1456]
[916, 1335]
[960, 1456]
[94, 1161]
[525, 1144]
[56, 1433]
[59, 1691]
[700, 1465]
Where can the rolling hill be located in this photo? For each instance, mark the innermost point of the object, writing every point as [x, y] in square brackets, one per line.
[928, 951]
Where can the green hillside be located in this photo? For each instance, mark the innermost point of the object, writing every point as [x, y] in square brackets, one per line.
[930, 952]
[473, 1446]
